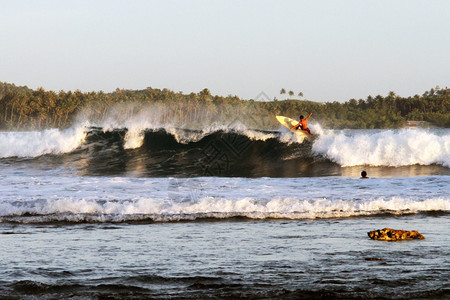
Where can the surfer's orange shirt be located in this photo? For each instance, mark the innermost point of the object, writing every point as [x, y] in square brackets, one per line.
[303, 124]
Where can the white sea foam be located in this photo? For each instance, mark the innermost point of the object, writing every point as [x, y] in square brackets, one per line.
[69, 209]
[37, 143]
[134, 138]
[103, 199]
[385, 148]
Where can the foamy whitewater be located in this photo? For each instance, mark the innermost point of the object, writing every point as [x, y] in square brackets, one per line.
[59, 198]
[148, 211]
[387, 147]
[37, 143]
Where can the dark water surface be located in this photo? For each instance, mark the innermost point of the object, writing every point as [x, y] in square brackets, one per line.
[285, 259]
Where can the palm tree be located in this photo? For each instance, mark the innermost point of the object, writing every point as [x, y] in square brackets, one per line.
[300, 94]
[283, 91]
[291, 93]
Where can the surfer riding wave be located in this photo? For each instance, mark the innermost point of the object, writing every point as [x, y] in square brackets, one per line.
[302, 124]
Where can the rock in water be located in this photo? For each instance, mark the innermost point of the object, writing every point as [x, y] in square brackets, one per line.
[389, 234]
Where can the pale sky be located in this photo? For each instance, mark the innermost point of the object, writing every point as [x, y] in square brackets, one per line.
[329, 50]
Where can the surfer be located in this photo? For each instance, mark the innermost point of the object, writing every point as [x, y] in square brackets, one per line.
[303, 124]
[364, 175]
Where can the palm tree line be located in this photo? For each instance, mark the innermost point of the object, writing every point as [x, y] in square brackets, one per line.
[22, 108]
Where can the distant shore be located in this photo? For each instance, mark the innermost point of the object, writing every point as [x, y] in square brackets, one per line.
[22, 108]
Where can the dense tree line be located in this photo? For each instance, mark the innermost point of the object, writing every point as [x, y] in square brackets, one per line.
[22, 108]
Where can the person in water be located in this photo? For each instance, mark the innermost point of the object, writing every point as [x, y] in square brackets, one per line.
[303, 124]
[364, 175]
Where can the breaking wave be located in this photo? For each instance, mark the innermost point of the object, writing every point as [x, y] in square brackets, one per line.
[221, 151]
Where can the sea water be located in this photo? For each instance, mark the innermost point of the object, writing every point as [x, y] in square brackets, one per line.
[174, 213]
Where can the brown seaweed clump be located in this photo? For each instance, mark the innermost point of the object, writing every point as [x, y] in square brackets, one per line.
[389, 234]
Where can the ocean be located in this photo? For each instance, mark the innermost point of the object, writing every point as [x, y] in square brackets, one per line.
[113, 212]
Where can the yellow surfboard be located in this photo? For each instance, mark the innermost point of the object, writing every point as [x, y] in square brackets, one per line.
[288, 123]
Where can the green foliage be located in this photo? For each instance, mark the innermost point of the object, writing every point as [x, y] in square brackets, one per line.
[23, 108]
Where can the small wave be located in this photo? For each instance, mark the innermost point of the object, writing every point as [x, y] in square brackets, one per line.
[149, 210]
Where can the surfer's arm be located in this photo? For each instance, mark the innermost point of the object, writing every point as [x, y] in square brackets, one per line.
[308, 116]
[296, 126]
